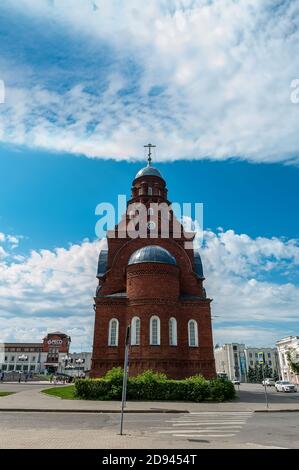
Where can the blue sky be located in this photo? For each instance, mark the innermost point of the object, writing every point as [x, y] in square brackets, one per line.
[86, 88]
[51, 198]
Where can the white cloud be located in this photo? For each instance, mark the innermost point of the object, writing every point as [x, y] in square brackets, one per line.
[250, 336]
[248, 305]
[224, 70]
[50, 290]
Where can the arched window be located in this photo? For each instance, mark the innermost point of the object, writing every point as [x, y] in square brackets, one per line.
[155, 331]
[135, 331]
[150, 211]
[173, 340]
[113, 332]
[150, 191]
[192, 333]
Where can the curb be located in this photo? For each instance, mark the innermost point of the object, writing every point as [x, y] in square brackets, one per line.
[40, 410]
[156, 410]
[290, 410]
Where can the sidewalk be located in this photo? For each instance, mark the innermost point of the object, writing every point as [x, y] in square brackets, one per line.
[33, 400]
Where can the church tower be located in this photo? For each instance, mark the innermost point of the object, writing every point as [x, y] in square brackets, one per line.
[153, 283]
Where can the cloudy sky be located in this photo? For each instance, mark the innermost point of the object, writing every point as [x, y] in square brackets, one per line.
[87, 84]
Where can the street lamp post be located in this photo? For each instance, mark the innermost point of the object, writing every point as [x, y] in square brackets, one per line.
[65, 360]
[22, 358]
[79, 361]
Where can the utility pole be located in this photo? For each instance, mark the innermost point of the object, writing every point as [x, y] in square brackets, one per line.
[261, 358]
[125, 379]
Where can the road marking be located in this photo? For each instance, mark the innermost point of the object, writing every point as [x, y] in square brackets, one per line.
[223, 426]
[206, 435]
[199, 431]
[206, 423]
[221, 413]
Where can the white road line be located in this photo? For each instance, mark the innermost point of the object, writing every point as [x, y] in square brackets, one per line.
[220, 412]
[206, 422]
[211, 425]
[196, 431]
[206, 435]
[225, 413]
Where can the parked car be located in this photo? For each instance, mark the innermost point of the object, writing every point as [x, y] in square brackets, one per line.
[269, 382]
[236, 382]
[285, 386]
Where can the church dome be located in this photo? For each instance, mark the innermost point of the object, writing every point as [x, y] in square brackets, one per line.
[148, 171]
[152, 254]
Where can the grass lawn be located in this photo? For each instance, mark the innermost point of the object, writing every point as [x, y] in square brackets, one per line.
[62, 392]
[4, 394]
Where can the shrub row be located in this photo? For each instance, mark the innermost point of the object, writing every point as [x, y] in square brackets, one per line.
[153, 386]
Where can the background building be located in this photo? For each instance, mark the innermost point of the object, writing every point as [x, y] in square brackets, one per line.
[22, 357]
[235, 360]
[51, 356]
[229, 360]
[270, 355]
[290, 344]
[55, 346]
[154, 284]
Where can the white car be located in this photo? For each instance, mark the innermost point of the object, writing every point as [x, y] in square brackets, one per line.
[236, 382]
[269, 382]
[285, 386]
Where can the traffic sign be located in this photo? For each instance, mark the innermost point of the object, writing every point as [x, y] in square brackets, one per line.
[261, 357]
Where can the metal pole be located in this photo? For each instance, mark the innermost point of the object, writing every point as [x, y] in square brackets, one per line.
[125, 379]
[265, 386]
[127, 375]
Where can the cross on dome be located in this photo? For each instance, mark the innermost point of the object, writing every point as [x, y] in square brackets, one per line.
[149, 158]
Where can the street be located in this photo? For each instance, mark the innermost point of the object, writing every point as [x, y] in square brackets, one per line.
[242, 423]
[153, 430]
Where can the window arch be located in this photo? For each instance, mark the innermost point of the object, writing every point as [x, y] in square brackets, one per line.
[113, 332]
[135, 331]
[192, 333]
[173, 339]
[155, 331]
[150, 211]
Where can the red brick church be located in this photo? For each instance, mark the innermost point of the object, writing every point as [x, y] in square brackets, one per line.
[154, 284]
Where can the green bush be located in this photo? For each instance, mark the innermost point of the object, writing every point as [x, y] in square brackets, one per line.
[115, 375]
[154, 386]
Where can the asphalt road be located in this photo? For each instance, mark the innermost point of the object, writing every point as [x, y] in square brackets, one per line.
[184, 430]
[255, 393]
[246, 393]
[20, 387]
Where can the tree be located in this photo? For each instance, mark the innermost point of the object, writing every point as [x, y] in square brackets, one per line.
[268, 371]
[294, 366]
[251, 375]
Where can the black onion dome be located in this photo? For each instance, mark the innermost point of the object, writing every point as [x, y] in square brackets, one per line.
[198, 264]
